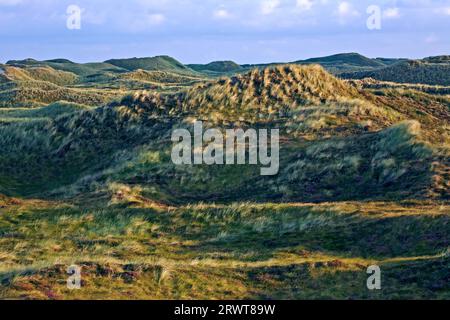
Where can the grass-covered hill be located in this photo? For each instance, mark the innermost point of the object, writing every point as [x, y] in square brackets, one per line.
[158, 77]
[270, 94]
[355, 59]
[80, 69]
[157, 81]
[47, 74]
[217, 67]
[329, 128]
[338, 63]
[431, 71]
[370, 83]
[364, 179]
[31, 83]
[159, 63]
[98, 72]
[344, 62]
[33, 93]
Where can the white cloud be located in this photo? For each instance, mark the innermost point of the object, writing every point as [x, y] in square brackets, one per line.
[346, 12]
[305, 5]
[268, 6]
[391, 13]
[221, 14]
[346, 9]
[447, 11]
[156, 18]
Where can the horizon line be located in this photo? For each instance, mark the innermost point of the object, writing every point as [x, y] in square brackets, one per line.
[254, 63]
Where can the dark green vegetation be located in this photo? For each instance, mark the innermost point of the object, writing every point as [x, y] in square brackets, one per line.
[344, 62]
[431, 71]
[339, 63]
[218, 67]
[160, 63]
[86, 178]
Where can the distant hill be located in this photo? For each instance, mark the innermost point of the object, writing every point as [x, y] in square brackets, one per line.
[431, 71]
[338, 63]
[80, 69]
[217, 66]
[344, 61]
[159, 63]
[438, 59]
[389, 61]
[31, 83]
[26, 83]
[38, 73]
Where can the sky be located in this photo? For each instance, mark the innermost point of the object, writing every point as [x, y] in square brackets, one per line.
[201, 31]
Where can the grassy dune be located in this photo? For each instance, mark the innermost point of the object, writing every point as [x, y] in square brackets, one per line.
[364, 179]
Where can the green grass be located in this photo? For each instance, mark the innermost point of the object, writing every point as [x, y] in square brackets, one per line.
[217, 67]
[420, 71]
[40, 74]
[253, 251]
[33, 93]
[159, 63]
[53, 111]
[69, 66]
[364, 179]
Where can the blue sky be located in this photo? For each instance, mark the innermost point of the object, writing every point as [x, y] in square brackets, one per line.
[199, 31]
